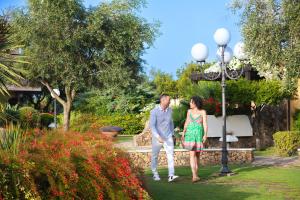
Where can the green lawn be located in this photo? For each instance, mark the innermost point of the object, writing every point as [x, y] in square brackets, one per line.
[265, 183]
[123, 138]
[266, 152]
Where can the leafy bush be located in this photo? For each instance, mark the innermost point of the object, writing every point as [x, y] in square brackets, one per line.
[145, 112]
[69, 166]
[241, 91]
[82, 122]
[296, 121]
[238, 92]
[29, 117]
[93, 102]
[269, 92]
[212, 106]
[131, 123]
[179, 114]
[106, 102]
[286, 143]
[46, 119]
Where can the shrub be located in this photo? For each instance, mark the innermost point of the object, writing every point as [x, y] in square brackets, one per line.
[286, 143]
[108, 101]
[82, 122]
[131, 123]
[69, 166]
[92, 102]
[145, 112]
[29, 117]
[296, 122]
[46, 119]
[179, 114]
[212, 106]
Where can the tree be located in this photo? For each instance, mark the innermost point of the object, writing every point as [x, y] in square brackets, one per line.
[186, 88]
[272, 39]
[8, 73]
[73, 48]
[164, 83]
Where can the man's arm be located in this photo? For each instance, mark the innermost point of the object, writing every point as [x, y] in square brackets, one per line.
[172, 123]
[153, 124]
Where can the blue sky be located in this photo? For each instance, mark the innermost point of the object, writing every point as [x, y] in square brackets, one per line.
[183, 23]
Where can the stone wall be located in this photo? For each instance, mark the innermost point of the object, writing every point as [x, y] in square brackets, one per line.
[142, 158]
[144, 138]
[265, 122]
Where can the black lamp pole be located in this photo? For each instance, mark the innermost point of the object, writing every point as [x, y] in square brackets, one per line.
[224, 170]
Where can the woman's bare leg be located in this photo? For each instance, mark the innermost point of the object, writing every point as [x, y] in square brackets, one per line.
[197, 160]
[192, 163]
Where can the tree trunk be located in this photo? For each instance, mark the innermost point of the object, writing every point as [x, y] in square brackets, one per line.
[67, 104]
[67, 115]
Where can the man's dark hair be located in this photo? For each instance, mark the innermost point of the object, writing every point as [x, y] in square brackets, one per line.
[197, 101]
[163, 96]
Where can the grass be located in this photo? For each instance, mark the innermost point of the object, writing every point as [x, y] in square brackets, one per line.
[270, 151]
[123, 138]
[265, 183]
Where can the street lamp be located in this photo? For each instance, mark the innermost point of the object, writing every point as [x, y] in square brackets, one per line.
[57, 92]
[224, 55]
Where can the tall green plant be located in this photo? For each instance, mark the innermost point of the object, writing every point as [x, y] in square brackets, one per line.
[8, 114]
[11, 137]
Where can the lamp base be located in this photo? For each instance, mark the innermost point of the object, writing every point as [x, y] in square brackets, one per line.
[225, 171]
[227, 174]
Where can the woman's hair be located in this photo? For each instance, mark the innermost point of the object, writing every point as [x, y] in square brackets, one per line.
[197, 101]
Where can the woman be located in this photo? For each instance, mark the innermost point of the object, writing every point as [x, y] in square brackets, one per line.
[195, 133]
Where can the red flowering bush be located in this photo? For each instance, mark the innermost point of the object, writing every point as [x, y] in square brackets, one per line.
[212, 106]
[71, 165]
[29, 117]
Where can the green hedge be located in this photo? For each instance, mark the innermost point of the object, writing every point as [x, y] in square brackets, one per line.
[131, 123]
[296, 122]
[82, 122]
[46, 119]
[286, 143]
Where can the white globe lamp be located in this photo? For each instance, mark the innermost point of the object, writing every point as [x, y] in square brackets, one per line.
[199, 52]
[227, 54]
[222, 36]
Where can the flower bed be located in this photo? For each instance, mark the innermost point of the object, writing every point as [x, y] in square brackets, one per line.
[57, 165]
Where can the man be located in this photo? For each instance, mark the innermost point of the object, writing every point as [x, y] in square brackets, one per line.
[162, 128]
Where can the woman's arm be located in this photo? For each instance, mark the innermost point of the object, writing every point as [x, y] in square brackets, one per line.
[186, 121]
[205, 125]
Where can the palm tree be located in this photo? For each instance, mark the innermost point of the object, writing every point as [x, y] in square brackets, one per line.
[8, 73]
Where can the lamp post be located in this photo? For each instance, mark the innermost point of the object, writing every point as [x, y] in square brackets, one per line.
[57, 92]
[224, 54]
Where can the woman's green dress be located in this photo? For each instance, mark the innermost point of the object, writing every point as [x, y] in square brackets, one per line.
[193, 138]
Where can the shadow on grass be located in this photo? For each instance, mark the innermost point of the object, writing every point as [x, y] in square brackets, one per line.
[183, 188]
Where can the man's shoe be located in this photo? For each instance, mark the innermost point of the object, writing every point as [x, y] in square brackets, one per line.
[156, 177]
[172, 178]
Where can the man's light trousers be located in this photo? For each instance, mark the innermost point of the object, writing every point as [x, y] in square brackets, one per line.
[168, 145]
